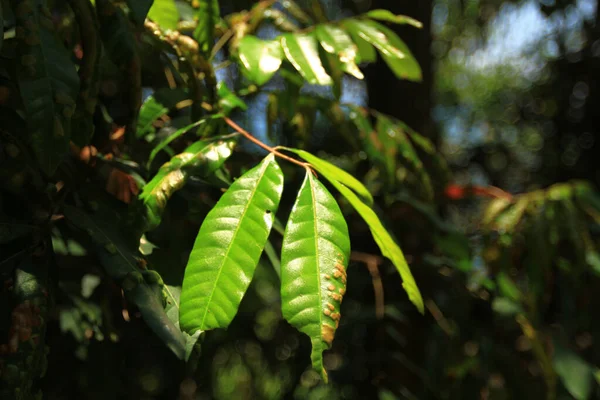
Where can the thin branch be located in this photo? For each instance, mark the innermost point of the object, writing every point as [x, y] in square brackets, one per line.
[270, 149]
[372, 262]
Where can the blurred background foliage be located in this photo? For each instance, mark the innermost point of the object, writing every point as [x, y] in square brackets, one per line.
[510, 97]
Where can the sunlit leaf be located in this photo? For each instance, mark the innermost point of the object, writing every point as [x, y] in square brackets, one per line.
[228, 101]
[338, 43]
[164, 13]
[303, 52]
[208, 15]
[314, 258]
[121, 261]
[201, 159]
[366, 51]
[139, 9]
[165, 142]
[386, 244]
[332, 172]
[387, 16]
[228, 247]
[393, 50]
[259, 58]
[48, 83]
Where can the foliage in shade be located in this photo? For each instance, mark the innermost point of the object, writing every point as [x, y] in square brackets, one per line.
[122, 262]
[139, 9]
[228, 247]
[314, 258]
[208, 15]
[48, 83]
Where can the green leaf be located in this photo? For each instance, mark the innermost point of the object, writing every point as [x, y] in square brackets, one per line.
[120, 259]
[406, 67]
[386, 244]
[228, 101]
[395, 142]
[303, 52]
[394, 51]
[314, 258]
[337, 42]
[200, 159]
[165, 142]
[366, 51]
[164, 13]
[228, 247]
[387, 16]
[139, 9]
[575, 374]
[48, 83]
[260, 59]
[155, 106]
[208, 15]
[117, 38]
[173, 294]
[332, 172]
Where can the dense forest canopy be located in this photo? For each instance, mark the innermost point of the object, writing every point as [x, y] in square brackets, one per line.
[303, 199]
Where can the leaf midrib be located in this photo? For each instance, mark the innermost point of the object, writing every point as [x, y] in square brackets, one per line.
[235, 233]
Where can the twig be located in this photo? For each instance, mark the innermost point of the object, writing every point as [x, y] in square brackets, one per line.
[270, 149]
[439, 317]
[372, 262]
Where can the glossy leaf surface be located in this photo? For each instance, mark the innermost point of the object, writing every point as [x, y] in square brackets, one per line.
[229, 101]
[388, 16]
[259, 58]
[164, 13]
[314, 258]
[406, 67]
[332, 172]
[200, 159]
[337, 42]
[374, 36]
[121, 259]
[48, 83]
[228, 247]
[208, 16]
[386, 244]
[303, 52]
[157, 105]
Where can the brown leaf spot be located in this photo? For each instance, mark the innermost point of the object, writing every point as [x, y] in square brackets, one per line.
[327, 334]
[331, 306]
[331, 287]
[327, 312]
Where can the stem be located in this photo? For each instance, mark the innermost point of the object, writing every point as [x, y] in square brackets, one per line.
[257, 142]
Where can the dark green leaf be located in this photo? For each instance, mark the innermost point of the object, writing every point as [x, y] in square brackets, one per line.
[332, 172]
[155, 106]
[200, 159]
[386, 244]
[387, 16]
[228, 248]
[48, 83]
[164, 13]
[395, 142]
[208, 15]
[139, 10]
[337, 42]
[173, 294]
[120, 258]
[118, 39]
[314, 258]
[303, 52]
[574, 372]
[260, 59]
[228, 101]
